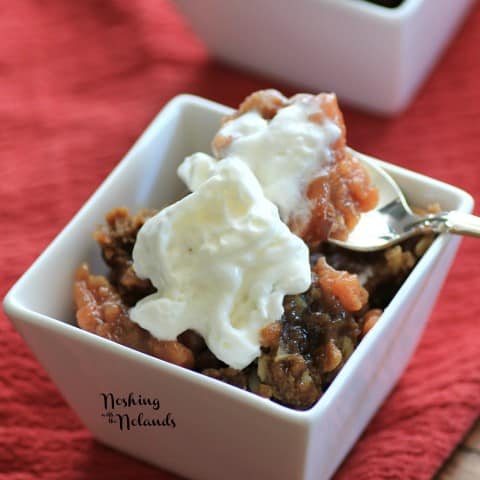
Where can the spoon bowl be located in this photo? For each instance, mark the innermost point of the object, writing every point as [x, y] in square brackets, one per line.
[393, 221]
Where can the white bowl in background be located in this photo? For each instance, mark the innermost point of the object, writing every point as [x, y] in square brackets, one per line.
[220, 431]
[371, 56]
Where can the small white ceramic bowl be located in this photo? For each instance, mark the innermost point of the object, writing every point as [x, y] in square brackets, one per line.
[371, 56]
[211, 430]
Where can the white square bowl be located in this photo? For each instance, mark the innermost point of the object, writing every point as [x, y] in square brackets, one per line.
[220, 431]
[371, 56]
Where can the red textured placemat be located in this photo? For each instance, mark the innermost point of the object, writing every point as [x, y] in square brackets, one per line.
[79, 82]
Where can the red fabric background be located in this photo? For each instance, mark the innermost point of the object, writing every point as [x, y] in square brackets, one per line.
[79, 82]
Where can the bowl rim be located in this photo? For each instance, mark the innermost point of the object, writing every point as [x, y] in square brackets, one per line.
[374, 11]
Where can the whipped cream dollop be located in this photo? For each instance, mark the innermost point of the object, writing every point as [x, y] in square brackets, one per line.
[221, 259]
[284, 153]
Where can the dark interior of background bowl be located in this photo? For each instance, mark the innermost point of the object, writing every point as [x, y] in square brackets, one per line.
[387, 3]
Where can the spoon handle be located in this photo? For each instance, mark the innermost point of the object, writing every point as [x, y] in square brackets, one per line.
[462, 223]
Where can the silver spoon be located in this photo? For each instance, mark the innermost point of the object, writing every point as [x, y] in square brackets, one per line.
[393, 221]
